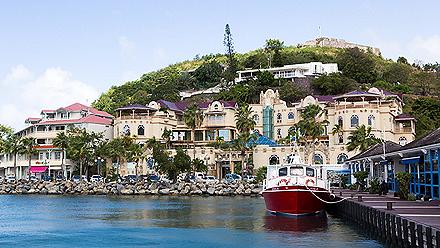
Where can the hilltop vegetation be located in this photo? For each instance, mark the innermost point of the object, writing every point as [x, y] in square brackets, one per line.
[359, 70]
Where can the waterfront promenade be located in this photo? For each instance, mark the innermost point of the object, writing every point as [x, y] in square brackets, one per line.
[399, 222]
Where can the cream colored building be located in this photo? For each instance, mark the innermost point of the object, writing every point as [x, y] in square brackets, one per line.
[47, 160]
[379, 109]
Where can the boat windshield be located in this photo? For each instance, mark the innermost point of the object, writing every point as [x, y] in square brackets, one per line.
[310, 172]
[282, 172]
[296, 171]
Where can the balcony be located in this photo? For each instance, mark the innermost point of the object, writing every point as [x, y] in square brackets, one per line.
[403, 130]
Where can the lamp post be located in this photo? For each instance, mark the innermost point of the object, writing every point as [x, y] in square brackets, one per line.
[99, 160]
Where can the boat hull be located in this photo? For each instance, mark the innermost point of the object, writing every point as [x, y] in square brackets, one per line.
[295, 200]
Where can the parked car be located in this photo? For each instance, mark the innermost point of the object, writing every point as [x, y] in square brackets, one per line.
[131, 178]
[32, 178]
[96, 178]
[199, 176]
[152, 178]
[46, 178]
[249, 178]
[229, 178]
[75, 178]
[190, 178]
[210, 179]
[59, 178]
[165, 179]
[10, 179]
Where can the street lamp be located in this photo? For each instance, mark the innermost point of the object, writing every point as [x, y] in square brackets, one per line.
[99, 160]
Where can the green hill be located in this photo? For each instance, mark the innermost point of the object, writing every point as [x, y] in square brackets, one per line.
[359, 70]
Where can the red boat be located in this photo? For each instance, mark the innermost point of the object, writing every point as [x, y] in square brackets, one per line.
[295, 188]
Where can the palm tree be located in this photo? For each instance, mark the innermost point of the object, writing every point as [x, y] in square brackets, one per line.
[14, 146]
[62, 141]
[310, 127]
[245, 124]
[136, 153]
[29, 144]
[361, 139]
[337, 129]
[193, 118]
[166, 136]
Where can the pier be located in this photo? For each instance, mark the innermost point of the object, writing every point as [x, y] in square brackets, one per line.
[396, 222]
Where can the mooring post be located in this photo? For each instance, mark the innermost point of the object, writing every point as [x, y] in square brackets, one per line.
[405, 233]
[412, 230]
[352, 195]
[429, 237]
[340, 193]
[420, 242]
[389, 205]
[437, 238]
[359, 198]
[399, 232]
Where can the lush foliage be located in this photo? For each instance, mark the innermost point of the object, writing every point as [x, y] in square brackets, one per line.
[361, 176]
[261, 174]
[361, 139]
[403, 178]
[333, 84]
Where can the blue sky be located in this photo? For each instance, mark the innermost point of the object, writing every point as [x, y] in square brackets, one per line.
[56, 52]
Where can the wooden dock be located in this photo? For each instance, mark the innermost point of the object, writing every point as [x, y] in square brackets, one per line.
[394, 221]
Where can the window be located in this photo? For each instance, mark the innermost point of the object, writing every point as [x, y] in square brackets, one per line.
[126, 130]
[256, 118]
[317, 159]
[340, 121]
[341, 158]
[371, 120]
[224, 133]
[279, 135]
[354, 121]
[274, 159]
[282, 172]
[57, 155]
[402, 141]
[290, 116]
[341, 139]
[198, 135]
[279, 118]
[296, 171]
[215, 106]
[310, 172]
[141, 130]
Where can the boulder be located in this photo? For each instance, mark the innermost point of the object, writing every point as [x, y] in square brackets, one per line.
[211, 191]
[164, 191]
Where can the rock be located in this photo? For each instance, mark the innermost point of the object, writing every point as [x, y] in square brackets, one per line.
[255, 191]
[125, 191]
[43, 191]
[247, 192]
[164, 191]
[211, 191]
[196, 192]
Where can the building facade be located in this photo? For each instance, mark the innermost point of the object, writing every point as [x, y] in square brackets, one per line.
[380, 110]
[291, 72]
[48, 158]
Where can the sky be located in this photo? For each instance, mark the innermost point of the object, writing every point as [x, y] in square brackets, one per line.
[54, 53]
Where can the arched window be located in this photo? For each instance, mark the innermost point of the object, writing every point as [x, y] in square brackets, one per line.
[317, 159]
[341, 158]
[216, 107]
[126, 130]
[279, 118]
[354, 121]
[290, 116]
[279, 135]
[256, 118]
[340, 121]
[402, 141]
[371, 120]
[141, 130]
[274, 159]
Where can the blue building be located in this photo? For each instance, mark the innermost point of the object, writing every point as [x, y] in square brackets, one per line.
[420, 158]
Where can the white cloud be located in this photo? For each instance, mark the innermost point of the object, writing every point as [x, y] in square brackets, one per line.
[127, 47]
[27, 95]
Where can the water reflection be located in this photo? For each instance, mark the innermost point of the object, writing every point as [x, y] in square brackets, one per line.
[314, 223]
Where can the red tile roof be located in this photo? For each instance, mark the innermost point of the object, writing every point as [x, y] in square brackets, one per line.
[79, 107]
[88, 119]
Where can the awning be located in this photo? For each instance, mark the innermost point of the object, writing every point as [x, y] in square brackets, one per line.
[38, 169]
[412, 160]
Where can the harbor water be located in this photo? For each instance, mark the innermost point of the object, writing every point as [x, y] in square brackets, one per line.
[147, 221]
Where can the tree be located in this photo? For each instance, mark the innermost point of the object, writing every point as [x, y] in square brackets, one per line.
[361, 139]
[261, 174]
[181, 163]
[29, 144]
[333, 84]
[117, 149]
[135, 153]
[166, 136]
[397, 73]
[14, 146]
[245, 124]
[291, 92]
[402, 60]
[4, 133]
[310, 128]
[273, 48]
[62, 141]
[424, 82]
[199, 165]
[193, 118]
[231, 69]
[208, 74]
[357, 65]
[404, 178]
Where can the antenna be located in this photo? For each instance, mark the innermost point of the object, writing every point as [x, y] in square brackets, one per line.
[319, 32]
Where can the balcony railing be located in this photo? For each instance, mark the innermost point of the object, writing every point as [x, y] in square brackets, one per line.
[403, 130]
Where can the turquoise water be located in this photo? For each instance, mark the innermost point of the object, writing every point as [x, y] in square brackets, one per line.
[100, 221]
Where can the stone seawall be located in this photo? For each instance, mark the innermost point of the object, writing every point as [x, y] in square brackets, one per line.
[138, 188]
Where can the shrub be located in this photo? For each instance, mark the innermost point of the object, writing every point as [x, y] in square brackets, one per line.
[261, 173]
[374, 186]
[403, 178]
[360, 178]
